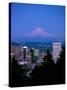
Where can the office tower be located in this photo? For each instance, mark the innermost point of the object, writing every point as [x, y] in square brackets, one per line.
[12, 55]
[32, 54]
[24, 53]
[36, 55]
[56, 51]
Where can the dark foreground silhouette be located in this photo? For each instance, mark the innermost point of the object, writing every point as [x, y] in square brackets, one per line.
[46, 74]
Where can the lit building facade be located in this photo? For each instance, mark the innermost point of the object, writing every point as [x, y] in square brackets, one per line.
[56, 51]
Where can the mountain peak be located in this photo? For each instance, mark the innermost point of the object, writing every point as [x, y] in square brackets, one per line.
[38, 32]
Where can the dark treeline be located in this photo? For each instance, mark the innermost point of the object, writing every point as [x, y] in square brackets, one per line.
[46, 74]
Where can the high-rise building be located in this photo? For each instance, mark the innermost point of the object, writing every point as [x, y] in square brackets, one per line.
[12, 55]
[56, 51]
[32, 54]
[24, 53]
[36, 55]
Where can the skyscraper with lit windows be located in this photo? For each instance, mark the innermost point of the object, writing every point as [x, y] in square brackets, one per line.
[56, 51]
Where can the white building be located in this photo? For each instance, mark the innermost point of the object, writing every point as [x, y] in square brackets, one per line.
[56, 51]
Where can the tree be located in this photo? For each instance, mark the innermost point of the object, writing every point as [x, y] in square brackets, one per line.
[61, 66]
[48, 58]
[61, 60]
[43, 74]
[16, 74]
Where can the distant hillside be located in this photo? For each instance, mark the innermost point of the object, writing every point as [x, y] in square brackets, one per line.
[15, 44]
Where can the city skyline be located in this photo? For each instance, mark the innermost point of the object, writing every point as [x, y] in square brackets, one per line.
[37, 44]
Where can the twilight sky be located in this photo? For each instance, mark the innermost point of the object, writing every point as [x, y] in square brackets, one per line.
[37, 22]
